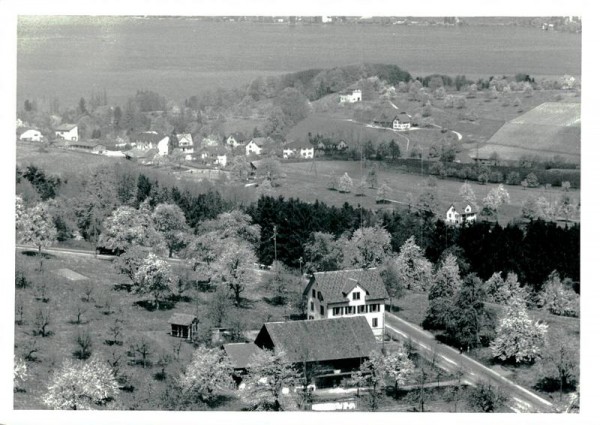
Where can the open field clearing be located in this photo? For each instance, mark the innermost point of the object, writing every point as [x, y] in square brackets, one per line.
[548, 130]
[304, 183]
[61, 161]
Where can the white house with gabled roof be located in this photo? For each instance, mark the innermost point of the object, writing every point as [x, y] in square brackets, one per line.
[347, 293]
[462, 214]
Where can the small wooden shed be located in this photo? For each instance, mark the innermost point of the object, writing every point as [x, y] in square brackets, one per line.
[183, 325]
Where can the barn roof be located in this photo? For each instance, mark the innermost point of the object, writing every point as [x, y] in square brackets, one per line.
[240, 353]
[321, 340]
[182, 319]
[147, 137]
[336, 285]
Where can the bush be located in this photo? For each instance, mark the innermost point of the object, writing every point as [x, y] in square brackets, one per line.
[513, 178]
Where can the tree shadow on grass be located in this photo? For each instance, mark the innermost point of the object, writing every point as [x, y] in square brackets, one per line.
[274, 301]
[45, 255]
[150, 305]
[246, 303]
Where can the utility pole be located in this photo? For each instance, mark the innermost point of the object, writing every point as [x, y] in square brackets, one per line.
[275, 241]
[300, 260]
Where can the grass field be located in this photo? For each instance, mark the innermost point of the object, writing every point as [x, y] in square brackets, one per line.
[61, 161]
[545, 131]
[64, 296]
[304, 183]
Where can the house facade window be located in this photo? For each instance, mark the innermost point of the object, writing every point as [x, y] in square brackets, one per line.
[336, 311]
[356, 295]
[312, 306]
[361, 309]
[373, 308]
[351, 310]
[314, 293]
[374, 322]
[322, 311]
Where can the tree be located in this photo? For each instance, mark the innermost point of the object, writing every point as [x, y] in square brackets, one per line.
[81, 386]
[532, 180]
[501, 291]
[42, 321]
[83, 343]
[383, 192]
[487, 398]
[361, 187]
[154, 277]
[169, 221]
[142, 347]
[323, 252]
[518, 338]
[268, 374]
[559, 364]
[127, 226]
[345, 184]
[446, 280]
[372, 374]
[413, 268]
[279, 283]
[130, 262]
[557, 298]
[399, 368]
[234, 268]
[36, 227]
[270, 168]
[332, 182]
[240, 168]
[265, 189]
[372, 178]
[468, 195]
[494, 199]
[208, 373]
[367, 248]
[394, 149]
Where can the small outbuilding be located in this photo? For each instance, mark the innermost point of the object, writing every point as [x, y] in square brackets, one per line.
[183, 325]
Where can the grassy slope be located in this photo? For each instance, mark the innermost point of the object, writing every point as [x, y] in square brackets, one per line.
[65, 295]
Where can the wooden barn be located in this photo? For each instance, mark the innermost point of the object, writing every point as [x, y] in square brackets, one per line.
[183, 325]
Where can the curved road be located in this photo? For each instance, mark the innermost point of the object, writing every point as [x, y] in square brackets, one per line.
[521, 399]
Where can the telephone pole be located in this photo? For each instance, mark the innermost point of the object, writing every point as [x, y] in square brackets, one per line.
[275, 241]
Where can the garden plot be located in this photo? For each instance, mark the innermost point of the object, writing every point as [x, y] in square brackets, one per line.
[69, 274]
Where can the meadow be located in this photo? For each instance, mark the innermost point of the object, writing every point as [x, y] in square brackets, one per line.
[68, 57]
[302, 181]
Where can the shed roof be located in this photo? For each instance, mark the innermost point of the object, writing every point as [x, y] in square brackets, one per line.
[240, 353]
[320, 340]
[182, 319]
[336, 285]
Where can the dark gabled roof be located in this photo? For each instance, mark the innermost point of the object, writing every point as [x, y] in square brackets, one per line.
[147, 137]
[186, 136]
[335, 286]
[65, 127]
[240, 353]
[84, 144]
[461, 206]
[321, 340]
[297, 144]
[261, 141]
[182, 319]
[403, 118]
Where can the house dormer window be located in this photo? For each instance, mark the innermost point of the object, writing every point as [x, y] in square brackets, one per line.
[356, 295]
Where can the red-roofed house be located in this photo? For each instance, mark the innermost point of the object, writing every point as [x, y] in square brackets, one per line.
[344, 293]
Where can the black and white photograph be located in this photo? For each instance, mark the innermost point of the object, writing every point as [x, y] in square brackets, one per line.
[340, 210]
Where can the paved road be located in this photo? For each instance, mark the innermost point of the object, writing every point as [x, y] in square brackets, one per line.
[521, 399]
